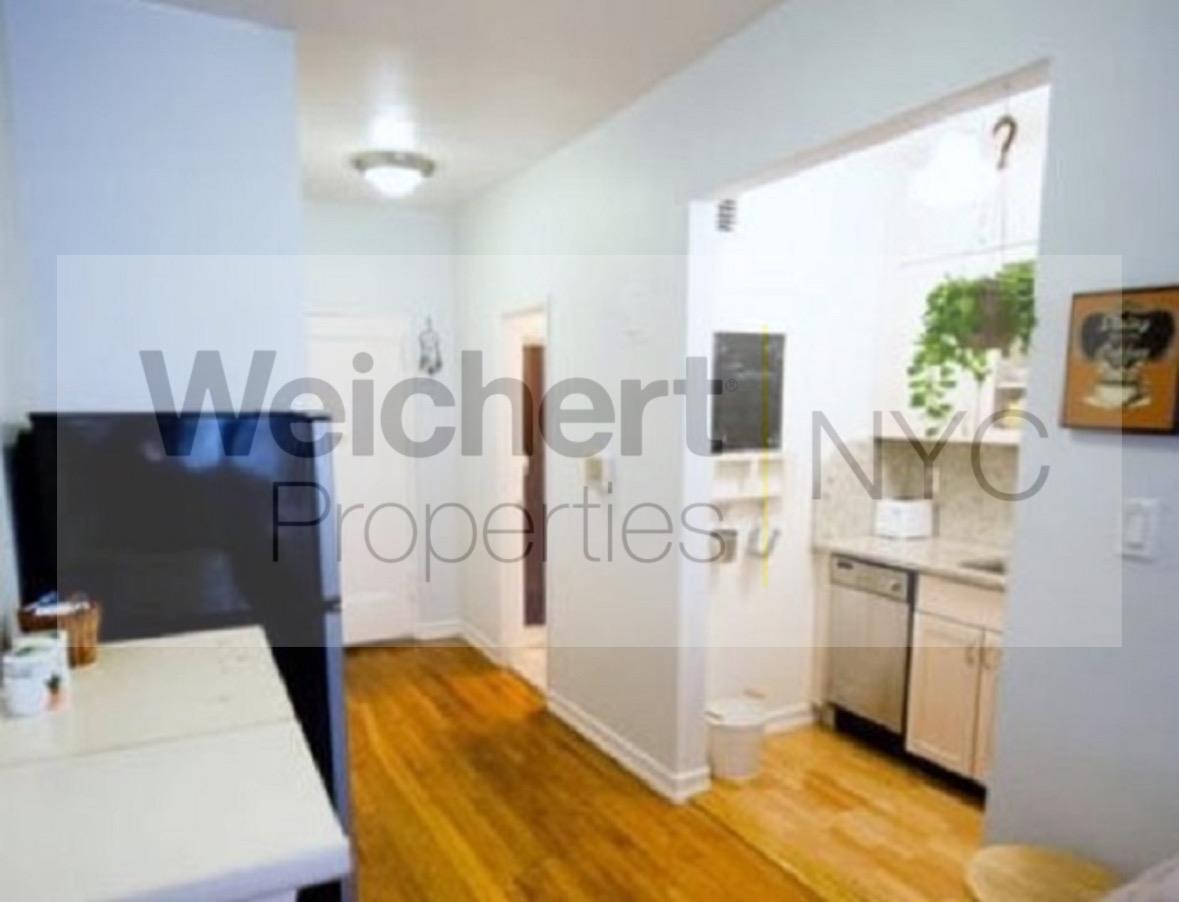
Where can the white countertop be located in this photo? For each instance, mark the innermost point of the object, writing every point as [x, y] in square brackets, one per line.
[178, 771]
[941, 557]
[153, 691]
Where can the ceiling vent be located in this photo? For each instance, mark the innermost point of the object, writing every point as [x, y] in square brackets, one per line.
[726, 215]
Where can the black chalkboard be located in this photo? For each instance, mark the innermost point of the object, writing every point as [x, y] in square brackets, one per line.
[747, 412]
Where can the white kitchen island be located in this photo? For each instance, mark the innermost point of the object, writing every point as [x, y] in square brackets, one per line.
[178, 771]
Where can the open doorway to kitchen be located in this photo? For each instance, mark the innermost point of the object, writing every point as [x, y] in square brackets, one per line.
[866, 626]
[524, 603]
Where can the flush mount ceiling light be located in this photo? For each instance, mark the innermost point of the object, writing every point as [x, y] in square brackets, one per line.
[393, 128]
[393, 173]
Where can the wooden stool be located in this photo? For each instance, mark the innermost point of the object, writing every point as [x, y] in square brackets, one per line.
[1035, 874]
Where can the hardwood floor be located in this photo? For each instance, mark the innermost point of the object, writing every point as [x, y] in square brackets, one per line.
[852, 823]
[465, 787]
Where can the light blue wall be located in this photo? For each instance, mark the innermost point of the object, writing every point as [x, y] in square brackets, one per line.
[9, 311]
[146, 130]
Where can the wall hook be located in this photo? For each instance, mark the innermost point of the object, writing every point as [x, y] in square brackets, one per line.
[1006, 124]
[429, 349]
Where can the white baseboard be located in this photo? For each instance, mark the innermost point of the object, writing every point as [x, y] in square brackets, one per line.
[790, 717]
[676, 786]
[478, 640]
[438, 629]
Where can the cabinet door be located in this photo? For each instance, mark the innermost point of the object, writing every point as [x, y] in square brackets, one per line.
[992, 653]
[943, 692]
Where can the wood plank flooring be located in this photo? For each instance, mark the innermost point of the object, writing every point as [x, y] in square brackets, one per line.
[464, 787]
[852, 823]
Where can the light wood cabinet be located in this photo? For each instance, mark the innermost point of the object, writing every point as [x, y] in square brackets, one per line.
[943, 692]
[973, 605]
[952, 681]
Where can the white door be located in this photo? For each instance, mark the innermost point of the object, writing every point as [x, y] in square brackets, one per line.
[943, 692]
[378, 570]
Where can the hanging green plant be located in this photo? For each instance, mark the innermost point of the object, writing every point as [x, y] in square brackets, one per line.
[964, 320]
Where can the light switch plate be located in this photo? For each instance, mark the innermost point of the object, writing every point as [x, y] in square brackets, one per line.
[1140, 528]
[599, 472]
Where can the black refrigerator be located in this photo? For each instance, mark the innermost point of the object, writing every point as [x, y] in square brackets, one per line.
[191, 522]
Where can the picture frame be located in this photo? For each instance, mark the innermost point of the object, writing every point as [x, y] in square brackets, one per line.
[1122, 364]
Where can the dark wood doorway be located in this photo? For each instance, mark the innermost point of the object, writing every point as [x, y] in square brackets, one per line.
[534, 596]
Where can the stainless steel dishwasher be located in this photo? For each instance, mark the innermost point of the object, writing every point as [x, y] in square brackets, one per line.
[871, 613]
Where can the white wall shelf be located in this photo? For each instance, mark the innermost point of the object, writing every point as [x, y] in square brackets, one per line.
[742, 477]
[745, 497]
[747, 457]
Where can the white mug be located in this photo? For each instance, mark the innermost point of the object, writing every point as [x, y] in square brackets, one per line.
[26, 696]
[32, 666]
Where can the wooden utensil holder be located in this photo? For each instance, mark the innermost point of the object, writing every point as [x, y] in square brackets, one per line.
[81, 626]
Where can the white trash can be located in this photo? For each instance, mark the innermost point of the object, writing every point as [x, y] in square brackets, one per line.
[735, 730]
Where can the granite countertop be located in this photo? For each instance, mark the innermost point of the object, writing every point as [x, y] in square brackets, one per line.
[940, 557]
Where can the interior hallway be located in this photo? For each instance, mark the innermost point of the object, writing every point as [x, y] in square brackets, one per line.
[464, 786]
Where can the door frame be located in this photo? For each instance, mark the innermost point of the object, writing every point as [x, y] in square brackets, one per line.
[526, 325]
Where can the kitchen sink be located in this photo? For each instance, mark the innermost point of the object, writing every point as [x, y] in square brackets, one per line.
[996, 565]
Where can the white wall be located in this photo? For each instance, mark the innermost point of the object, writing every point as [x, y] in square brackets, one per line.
[806, 260]
[146, 130]
[381, 259]
[1079, 733]
[419, 237]
[611, 653]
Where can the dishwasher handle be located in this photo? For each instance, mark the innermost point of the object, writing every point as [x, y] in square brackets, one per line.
[875, 579]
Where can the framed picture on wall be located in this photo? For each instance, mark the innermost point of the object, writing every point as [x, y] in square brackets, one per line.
[1123, 361]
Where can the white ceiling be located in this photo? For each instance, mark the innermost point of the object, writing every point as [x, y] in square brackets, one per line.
[491, 86]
